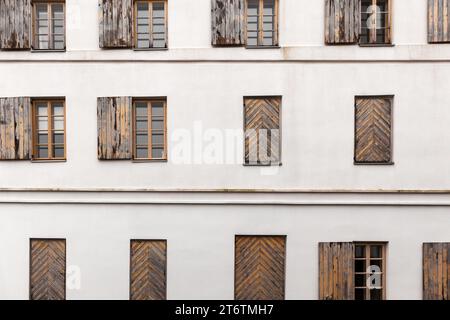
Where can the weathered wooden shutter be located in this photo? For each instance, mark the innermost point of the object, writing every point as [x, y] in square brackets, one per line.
[336, 274]
[436, 271]
[342, 21]
[15, 129]
[114, 118]
[148, 270]
[48, 270]
[116, 23]
[373, 126]
[260, 268]
[262, 130]
[15, 24]
[438, 21]
[228, 22]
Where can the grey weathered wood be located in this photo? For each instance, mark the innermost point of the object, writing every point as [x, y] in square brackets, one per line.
[116, 23]
[15, 24]
[114, 120]
[438, 21]
[15, 129]
[342, 21]
[228, 22]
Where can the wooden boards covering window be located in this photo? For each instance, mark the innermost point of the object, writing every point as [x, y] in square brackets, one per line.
[438, 21]
[15, 24]
[116, 23]
[342, 21]
[336, 271]
[114, 121]
[260, 267]
[47, 269]
[373, 130]
[15, 128]
[436, 271]
[148, 261]
[228, 22]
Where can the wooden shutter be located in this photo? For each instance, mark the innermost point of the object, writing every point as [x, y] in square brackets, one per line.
[342, 21]
[262, 130]
[260, 268]
[15, 129]
[436, 271]
[114, 119]
[438, 21]
[48, 270]
[15, 24]
[116, 23]
[336, 265]
[373, 126]
[228, 22]
[148, 270]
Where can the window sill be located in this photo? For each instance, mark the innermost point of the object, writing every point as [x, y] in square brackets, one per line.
[150, 49]
[47, 50]
[277, 164]
[148, 160]
[262, 47]
[48, 160]
[372, 45]
[373, 163]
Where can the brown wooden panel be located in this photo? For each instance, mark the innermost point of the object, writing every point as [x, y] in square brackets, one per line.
[116, 23]
[114, 117]
[438, 21]
[342, 21]
[373, 127]
[15, 129]
[436, 271]
[48, 269]
[260, 267]
[336, 274]
[262, 130]
[148, 270]
[15, 24]
[228, 22]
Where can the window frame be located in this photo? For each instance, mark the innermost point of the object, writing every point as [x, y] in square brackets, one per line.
[260, 31]
[35, 130]
[372, 33]
[149, 102]
[34, 40]
[150, 11]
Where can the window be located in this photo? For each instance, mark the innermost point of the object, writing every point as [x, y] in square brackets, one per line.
[375, 22]
[262, 23]
[49, 130]
[150, 129]
[370, 266]
[150, 24]
[48, 25]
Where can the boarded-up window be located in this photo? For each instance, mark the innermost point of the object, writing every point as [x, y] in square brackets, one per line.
[150, 26]
[49, 25]
[260, 267]
[375, 22]
[15, 129]
[116, 23]
[373, 130]
[228, 22]
[114, 117]
[262, 130]
[15, 24]
[148, 270]
[438, 21]
[48, 269]
[342, 21]
[436, 271]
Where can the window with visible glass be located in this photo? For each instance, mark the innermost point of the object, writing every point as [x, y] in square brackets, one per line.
[149, 130]
[375, 22]
[150, 24]
[262, 23]
[370, 271]
[49, 130]
[49, 25]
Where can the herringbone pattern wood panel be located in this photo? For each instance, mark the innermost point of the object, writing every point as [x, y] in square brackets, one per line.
[373, 126]
[148, 270]
[260, 268]
[48, 270]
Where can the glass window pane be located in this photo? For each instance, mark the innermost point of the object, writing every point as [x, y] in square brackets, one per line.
[42, 109]
[157, 139]
[375, 294]
[157, 125]
[141, 109]
[142, 153]
[58, 11]
[142, 139]
[360, 280]
[157, 153]
[360, 294]
[158, 10]
[158, 109]
[42, 152]
[58, 138]
[360, 252]
[253, 6]
[376, 264]
[58, 123]
[41, 11]
[360, 266]
[143, 43]
[42, 138]
[159, 43]
[142, 9]
[58, 152]
[269, 6]
[58, 109]
[375, 251]
[43, 124]
[142, 125]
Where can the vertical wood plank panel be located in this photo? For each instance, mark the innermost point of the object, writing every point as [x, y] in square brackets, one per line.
[115, 23]
[342, 21]
[15, 24]
[438, 21]
[436, 271]
[228, 22]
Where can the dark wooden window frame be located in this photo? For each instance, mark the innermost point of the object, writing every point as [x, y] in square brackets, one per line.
[372, 32]
[166, 21]
[34, 33]
[49, 102]
[149, 129]
[260, 40]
